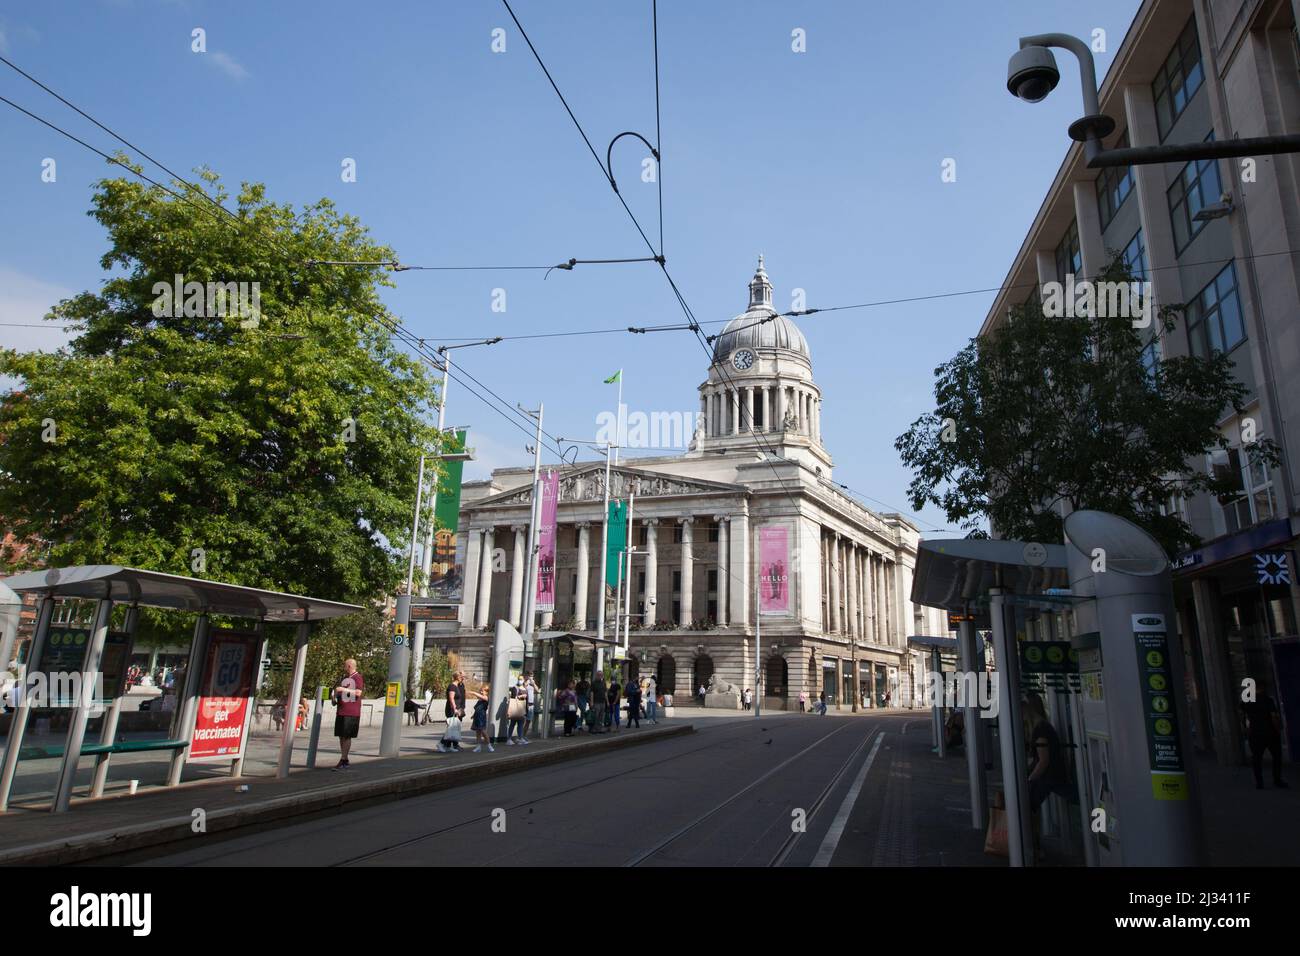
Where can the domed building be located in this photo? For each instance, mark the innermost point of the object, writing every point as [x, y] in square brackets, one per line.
[755, 461]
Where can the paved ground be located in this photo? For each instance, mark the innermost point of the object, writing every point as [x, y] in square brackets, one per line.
[727, 795]
[730, 793]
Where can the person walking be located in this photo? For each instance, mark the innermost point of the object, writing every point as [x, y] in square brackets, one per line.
[479, 721]
[598, 700]
[347, 720]
[568, 702]
[821, 704]
[651, 700]
[614, 701]
[451, 710]
[531, 692]
[803, 701]
[701, 693]
[633, 705]
[1263, 734]
[749, 698]
[583, 690]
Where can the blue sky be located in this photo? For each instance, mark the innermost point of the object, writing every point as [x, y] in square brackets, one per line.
[828, 162]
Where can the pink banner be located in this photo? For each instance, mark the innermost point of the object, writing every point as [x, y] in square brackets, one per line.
[773, 571]
[546, 542]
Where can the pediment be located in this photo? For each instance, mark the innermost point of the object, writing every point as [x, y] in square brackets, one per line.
[588, 484]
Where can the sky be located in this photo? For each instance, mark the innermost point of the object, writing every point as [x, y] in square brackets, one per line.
[828, 161]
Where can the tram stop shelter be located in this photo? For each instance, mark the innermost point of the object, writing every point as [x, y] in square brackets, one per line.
[979, 582]
[545, 648]
[109, 584]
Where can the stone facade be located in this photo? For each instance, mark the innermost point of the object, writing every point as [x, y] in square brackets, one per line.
[756, 460]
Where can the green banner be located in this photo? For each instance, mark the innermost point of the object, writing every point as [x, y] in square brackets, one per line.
[447, 512]
[447, 574]
[617, 540]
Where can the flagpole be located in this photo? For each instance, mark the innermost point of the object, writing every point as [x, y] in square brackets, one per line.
[619, 416]
[604, 571]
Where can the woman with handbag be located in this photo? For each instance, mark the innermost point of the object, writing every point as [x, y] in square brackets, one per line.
[451, 736]
[517, 713]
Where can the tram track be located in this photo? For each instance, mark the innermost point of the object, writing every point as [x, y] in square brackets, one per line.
[743, 725]
[790, 841]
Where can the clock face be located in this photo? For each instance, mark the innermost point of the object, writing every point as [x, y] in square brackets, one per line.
[743, 359]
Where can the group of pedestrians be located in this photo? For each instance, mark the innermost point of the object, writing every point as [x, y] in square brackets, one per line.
[596, 706]
[520, 708]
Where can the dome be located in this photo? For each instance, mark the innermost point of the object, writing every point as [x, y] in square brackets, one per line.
[749, 330]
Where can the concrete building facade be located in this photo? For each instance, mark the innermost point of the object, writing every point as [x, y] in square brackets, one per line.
[1221, 237]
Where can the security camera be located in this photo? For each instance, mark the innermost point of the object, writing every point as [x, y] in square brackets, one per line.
[1032, 73]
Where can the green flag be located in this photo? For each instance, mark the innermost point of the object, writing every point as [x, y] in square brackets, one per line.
[614, 378]
[617, 540]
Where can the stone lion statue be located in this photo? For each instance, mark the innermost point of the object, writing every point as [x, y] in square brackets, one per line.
[718, 686]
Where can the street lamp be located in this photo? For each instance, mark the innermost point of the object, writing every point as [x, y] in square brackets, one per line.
[1032, 74]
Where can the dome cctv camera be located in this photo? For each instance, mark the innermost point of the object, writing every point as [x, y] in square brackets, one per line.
[1032, 73]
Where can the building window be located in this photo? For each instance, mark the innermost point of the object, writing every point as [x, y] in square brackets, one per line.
[1151, 360]
[1251, 500]
[1214, 316]
[1113, 186]
[1068, 258]
[677, 581]
[713, 580]
[1196, 186]
[1178, 79]
[641, 535]
[677, 534]
[1135, 256]
[713, 532]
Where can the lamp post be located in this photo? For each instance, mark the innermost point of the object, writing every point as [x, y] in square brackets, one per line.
[1032, 74]
[426, 563]
[399, 657]
[604, 554]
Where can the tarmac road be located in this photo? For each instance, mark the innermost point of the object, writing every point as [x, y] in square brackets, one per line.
[785, 789]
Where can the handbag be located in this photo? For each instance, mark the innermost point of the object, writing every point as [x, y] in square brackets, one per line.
[453, 730]
[517, 709]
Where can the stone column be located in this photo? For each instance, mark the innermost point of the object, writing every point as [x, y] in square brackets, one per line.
[734, 398]
[724, 576]
[651, 571]
[688, 571]
[854, 629]
[484, 596]
[473, 555]
[767, 409]
[836, 620]
[740, 593]
[780, 407]
[517, 575]
[584, 572]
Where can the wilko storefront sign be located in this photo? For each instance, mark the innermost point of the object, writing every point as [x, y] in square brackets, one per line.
[225, 696]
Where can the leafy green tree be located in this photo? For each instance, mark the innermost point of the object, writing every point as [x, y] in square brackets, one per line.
[1051, 409]
[275, 449]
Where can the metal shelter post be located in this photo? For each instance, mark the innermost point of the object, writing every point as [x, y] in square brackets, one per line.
[979, 798]
[190, 706]
[18, 726]
[237, 765]
[295, 692]
[936, 705]
[86, 698]
[109, 729]
[1011, 735]
[11, 609]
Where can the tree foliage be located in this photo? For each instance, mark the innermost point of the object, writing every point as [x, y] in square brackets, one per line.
[279, 451]
[1049, 410]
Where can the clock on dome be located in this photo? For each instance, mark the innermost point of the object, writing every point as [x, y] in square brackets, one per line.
[743, 359]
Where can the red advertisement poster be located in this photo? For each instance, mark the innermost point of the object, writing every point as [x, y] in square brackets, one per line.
[225, 695]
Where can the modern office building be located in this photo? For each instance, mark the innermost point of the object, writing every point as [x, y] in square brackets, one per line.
[1223, 238]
